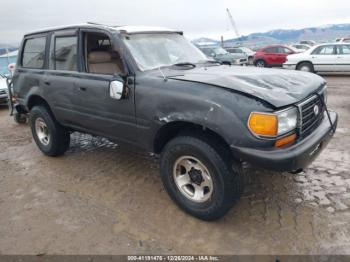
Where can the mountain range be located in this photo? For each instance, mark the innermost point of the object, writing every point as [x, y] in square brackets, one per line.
[283, 36]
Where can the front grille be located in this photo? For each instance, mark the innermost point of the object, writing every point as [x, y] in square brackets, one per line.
[243, 60]
[2, 92]
[308, 119]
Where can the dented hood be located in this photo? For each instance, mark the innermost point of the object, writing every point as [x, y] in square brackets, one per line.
[276, 86]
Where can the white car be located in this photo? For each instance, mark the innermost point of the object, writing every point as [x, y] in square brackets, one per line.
[307, 42]
[242, 50]
[3, 91]
[301, 47]
[345, 40]
[332, 57]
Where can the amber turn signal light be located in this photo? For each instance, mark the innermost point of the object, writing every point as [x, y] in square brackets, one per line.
[286, 141]
[263, 124]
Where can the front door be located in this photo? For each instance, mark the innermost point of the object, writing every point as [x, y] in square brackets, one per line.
[99, 112]
[324, 58]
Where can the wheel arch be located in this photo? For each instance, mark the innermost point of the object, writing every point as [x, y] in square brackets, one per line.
[35, 100]
[256, 60]
[175, 128]
[304, 61]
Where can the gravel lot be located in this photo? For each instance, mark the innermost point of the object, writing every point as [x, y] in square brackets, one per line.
[103, 199]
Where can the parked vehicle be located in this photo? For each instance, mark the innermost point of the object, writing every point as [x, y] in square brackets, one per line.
[300, 47]
[344, 39]
[152, 89]
[242, 50]
[321, 58]
[3, 91]
[272, 56]
[307, 42]
[221, 55]
[5, 60]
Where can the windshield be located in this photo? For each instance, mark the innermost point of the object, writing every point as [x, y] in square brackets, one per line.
[156, 50]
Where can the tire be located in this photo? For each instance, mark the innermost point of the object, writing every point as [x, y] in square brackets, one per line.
[306, 67]
[20, 118]
[227, 183]
[260, 63]
[51, 138]
[250, 60]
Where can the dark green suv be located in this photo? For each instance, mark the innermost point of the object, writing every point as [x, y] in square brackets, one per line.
[152, 89]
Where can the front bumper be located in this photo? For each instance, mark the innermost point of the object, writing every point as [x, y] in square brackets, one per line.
[295, 157]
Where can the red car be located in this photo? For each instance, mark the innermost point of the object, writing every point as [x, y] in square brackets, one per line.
[270, 56]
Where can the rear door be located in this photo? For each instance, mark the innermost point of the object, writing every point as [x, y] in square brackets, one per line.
[61, 77]
[343, 58]
[324, 58]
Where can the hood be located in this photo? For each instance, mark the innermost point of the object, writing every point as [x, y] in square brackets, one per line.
[276, 86]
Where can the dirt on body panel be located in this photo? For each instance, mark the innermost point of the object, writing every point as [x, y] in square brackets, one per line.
[100, 198]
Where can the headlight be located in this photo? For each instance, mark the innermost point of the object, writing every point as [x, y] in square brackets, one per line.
[275, 124]
[287, 120]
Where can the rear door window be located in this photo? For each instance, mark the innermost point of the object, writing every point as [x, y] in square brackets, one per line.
[65, 54]
[271, 50]
[344, 49]
[34, 53]
[324, 50]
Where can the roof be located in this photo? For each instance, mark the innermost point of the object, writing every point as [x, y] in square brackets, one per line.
[121, 29]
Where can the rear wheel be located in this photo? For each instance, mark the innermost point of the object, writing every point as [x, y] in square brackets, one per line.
[306, 67]
[260, 63]
[51, 138]
[199, 177]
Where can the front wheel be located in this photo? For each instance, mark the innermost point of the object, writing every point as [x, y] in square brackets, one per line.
[260, 63]
[200, 177]
[51, 138]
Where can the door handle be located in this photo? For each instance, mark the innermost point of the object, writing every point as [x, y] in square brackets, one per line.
[47, 83]
[82, 88]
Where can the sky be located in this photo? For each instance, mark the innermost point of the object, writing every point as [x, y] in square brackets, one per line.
[197, 18]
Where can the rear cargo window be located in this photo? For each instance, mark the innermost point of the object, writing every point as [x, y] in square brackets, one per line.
[65, 57]
[34, 53]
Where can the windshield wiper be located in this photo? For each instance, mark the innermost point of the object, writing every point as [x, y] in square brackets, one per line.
[186, 64]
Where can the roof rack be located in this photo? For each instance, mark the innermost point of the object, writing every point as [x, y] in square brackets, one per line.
[100, 24]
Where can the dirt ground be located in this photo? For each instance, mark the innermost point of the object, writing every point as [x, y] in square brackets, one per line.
[103, 199]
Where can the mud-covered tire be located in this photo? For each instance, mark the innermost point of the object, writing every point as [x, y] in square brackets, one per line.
[20, 118]
[59, 137]
[226, 174]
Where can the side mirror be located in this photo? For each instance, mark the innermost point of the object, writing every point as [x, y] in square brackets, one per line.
[116, 89]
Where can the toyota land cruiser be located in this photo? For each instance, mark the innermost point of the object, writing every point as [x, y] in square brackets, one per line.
[151, 88]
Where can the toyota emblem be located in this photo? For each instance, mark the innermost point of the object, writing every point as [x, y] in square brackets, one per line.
[316, 110]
